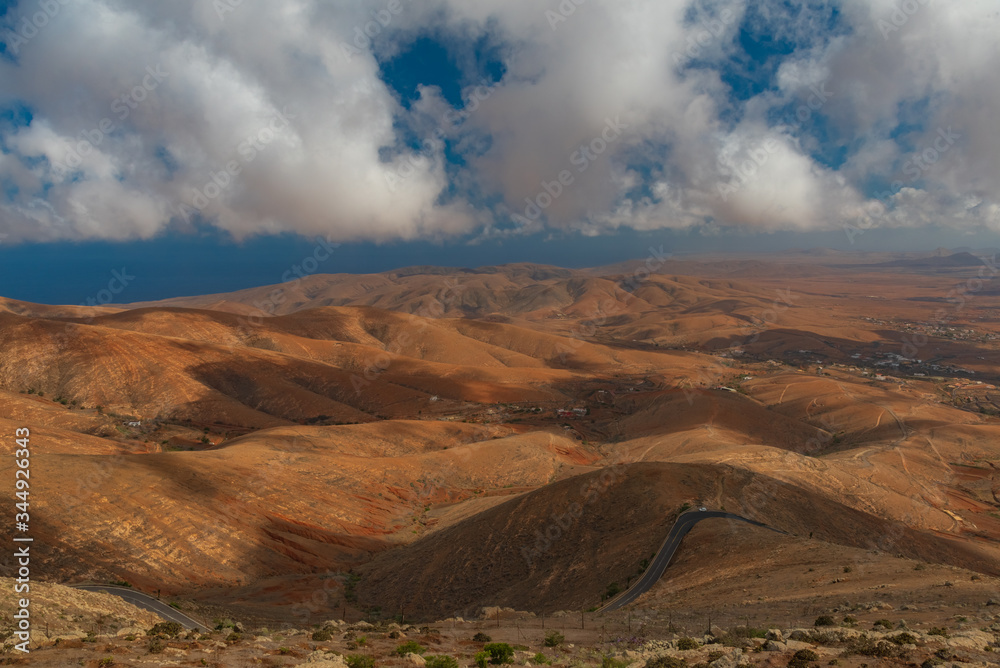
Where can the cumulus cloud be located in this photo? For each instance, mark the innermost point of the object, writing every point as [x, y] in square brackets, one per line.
[129, 119]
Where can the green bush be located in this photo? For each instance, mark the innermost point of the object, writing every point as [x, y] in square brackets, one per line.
[106, 661]
[168, 629]
[540, 658]
[665, 662]
[687, 643]
[409, 647]
[883, 623]
[234, 637]
[500, 653]
[554, 639]
[903, 639]
[867, 646]
[481, 637]
[824, 620]
[155, 645]
[481, 659]
[802, 658]
[938, 631]
[747, 632]
[360, 661]
[740, 636]
[612, 662]
[323, 635]
[441, 661]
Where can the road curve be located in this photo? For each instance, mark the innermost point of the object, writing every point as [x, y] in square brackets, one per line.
[666, 552]
[146, 602]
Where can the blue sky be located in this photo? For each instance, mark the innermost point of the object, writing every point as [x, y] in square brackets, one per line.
[207, 147]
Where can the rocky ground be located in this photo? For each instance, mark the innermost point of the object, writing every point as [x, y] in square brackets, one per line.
[834, 640]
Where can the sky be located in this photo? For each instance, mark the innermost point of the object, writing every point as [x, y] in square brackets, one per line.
[211, 143]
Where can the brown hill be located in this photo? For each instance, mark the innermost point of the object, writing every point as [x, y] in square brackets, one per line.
[531, 553]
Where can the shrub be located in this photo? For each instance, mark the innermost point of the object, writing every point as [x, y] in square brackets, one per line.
[408, 647]
[612, 662]
[883, 623]
[903, 639]
[687, 643]
[481, 659]
[740, 636]
[155, 645]
[441, 661]
[850, 621]
[554, 639]
[234, 637]
[938, 631]
[747, 632]
[168, 629]
[360, 661]
[802, 658]
[666, 662]
[323, 635]
[481, 637]
[867, 646]
[824, 620]
[500, 652]
[106, 661]
[542, 659]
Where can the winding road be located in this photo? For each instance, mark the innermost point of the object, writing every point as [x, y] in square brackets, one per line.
[666, 552]
[146, 602]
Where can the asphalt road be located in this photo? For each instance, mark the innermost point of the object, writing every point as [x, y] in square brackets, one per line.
[146, 602]
[666, 552]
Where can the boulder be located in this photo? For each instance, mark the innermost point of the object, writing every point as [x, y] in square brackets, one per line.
[775, 634]
[775, 646]
[321, 659]
[414, 659]
[731, 659]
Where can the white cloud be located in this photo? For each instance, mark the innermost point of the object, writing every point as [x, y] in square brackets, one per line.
[269, 119]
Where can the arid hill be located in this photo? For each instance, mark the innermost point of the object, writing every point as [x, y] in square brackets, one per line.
[397, 439]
